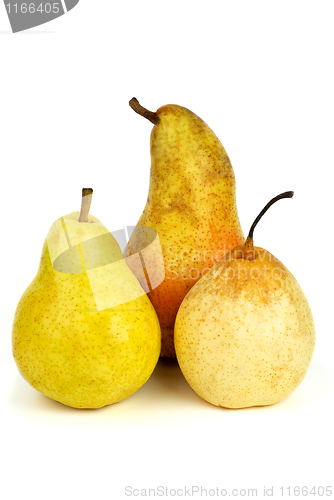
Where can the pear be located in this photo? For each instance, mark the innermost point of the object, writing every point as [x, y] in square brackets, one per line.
[191, 204]
[244, 334]
[84, 331]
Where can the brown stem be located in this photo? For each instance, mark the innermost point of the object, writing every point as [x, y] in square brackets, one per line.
[249, 246]
[87, 194]
[149, 115]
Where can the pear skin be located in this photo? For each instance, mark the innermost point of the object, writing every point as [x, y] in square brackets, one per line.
[191, 204]
[244, 334]
[67, 347]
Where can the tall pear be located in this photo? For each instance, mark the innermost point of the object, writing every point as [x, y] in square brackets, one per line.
[191, 203]
[84, 332]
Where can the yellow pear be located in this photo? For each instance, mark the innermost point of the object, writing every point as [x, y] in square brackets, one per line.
[84, 331]
[244, 334]
[191, 204]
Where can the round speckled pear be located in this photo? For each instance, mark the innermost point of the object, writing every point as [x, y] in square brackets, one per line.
[244, 334]
[66, 342]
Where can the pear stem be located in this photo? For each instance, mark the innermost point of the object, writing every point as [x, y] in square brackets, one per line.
[287, 194]
[87, 194]
[138, 108]
[248, 246]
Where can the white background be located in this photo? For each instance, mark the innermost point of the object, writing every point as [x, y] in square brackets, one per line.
[261, 75]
